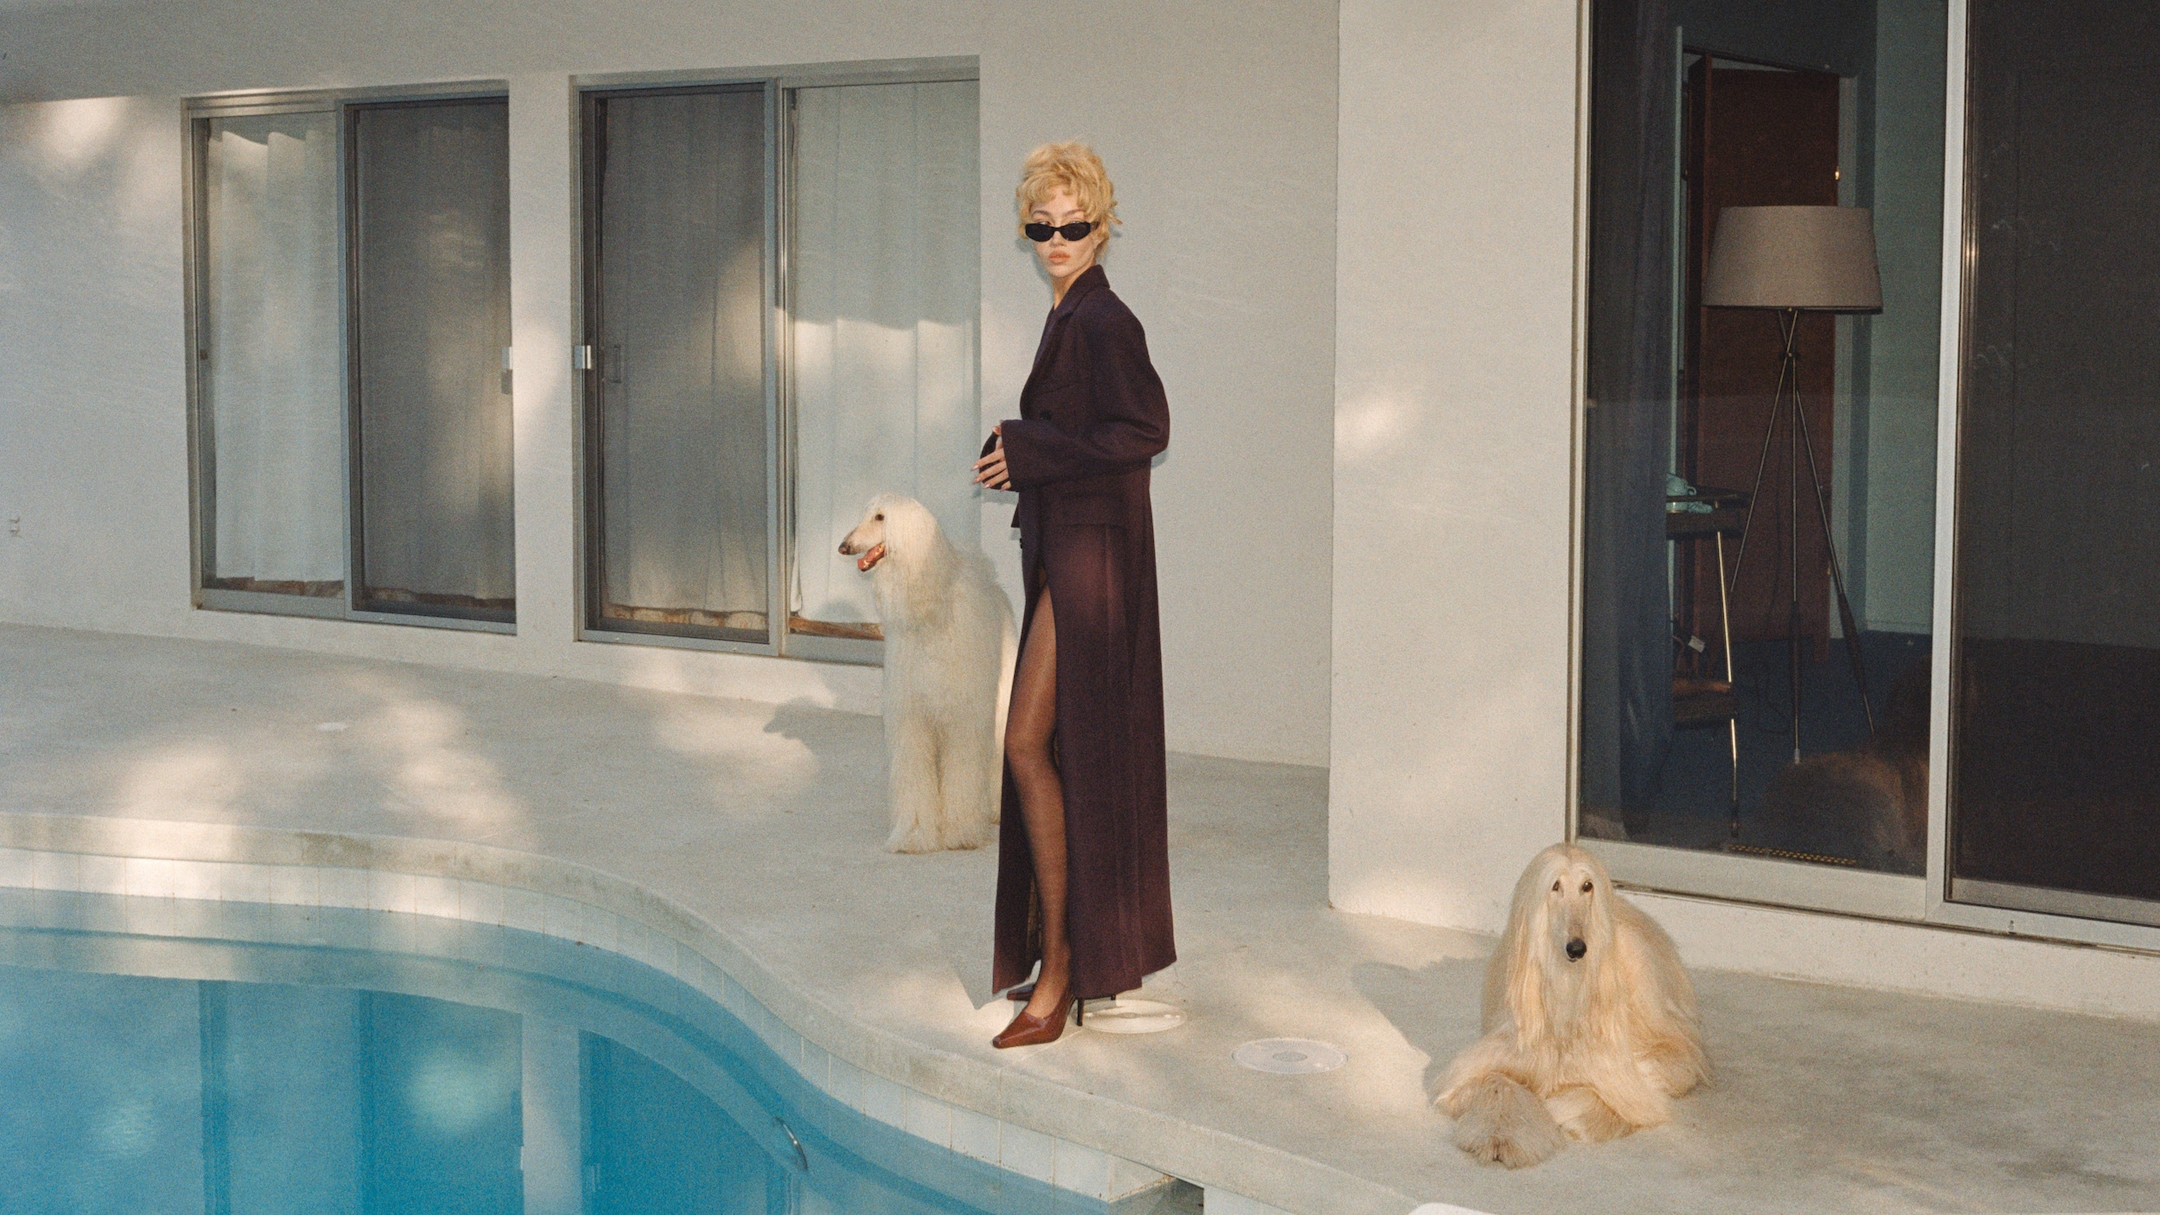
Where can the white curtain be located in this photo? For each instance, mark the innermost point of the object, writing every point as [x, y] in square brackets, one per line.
[272, 390]
[685, 463]
[885, 310]
[433, 318]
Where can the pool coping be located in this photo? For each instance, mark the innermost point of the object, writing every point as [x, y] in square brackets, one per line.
[1066, 1137]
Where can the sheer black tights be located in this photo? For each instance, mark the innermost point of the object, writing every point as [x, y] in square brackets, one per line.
[1042, 799]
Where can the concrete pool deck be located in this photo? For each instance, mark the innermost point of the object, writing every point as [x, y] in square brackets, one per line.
[763, 825]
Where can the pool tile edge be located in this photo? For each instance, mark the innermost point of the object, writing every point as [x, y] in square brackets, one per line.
[412, 880]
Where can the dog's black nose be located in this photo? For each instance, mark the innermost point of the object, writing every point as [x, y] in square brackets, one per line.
[1576, 949]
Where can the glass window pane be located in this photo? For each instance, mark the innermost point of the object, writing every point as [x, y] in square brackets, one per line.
[884, 326]
[1728, 702]
[2055, 803]
[431, 300]
[270, 386]
[678, 318]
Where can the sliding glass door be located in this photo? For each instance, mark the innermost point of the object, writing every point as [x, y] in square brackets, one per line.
[350, 330]
[430, 233]
[2055, 793]
[679, 243]
[781, 292]
[1979, 744]
[1756, 632]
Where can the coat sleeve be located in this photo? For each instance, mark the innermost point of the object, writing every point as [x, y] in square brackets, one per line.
[1128, 421]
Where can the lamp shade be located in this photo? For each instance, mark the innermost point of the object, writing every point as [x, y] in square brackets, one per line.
[1816, 258]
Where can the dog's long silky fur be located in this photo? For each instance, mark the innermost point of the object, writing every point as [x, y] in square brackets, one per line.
[1589, 1049]
[949, 650]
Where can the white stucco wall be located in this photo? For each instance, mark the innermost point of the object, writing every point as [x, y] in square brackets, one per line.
[1205, 114]
[1454, 387]
[1405, 250]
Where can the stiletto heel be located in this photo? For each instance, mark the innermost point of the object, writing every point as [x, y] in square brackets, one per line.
[1027, 1030]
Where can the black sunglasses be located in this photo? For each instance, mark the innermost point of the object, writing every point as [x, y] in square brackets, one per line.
[1073, 231]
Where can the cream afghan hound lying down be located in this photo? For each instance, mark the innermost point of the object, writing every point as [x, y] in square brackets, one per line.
[1590, 1027]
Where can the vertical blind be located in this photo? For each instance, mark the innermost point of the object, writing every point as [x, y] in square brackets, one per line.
[683, 419]
[881, 332]
[272, 396]
[883, 321]
[1627, 712]
[431, 228]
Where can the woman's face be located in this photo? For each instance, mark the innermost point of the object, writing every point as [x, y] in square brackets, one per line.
[1064, 259]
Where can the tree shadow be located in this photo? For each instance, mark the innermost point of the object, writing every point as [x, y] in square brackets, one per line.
[1434, 1007]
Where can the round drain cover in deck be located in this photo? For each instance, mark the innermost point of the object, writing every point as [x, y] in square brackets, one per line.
[1290, 1056]
[1123, 1016]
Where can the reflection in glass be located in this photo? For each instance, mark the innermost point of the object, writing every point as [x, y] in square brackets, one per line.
[431, 322]
[654, 1143]
[2055, 803]
[270, 387]
[1686, 731]
[677, 315]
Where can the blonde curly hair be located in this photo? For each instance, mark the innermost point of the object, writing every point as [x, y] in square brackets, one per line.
[1074, 167]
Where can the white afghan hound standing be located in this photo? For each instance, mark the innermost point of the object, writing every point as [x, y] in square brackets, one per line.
[949, 647]
[1590, 1025]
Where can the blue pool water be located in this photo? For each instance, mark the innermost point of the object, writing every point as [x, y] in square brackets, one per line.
[295, 1060]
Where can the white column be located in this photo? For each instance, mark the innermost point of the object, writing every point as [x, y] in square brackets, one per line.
[543, 250]
[1455, 298]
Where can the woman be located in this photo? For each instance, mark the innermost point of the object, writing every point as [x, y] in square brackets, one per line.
[1083, 865]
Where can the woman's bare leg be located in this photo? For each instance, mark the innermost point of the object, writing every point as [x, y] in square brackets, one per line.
[1042, 800]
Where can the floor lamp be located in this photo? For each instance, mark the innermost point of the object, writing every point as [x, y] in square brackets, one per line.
[1793, 260]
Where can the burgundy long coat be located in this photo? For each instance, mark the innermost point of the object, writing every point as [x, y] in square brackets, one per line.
[1092, 415]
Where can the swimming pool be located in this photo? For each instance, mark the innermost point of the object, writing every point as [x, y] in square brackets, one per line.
[280, 1061]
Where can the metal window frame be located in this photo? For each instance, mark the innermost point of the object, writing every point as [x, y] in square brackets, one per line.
[781, 86]
[1933, 900]
[202, 448]
[591, 109]
[1966, 902]
[357, 608]
[196, 115]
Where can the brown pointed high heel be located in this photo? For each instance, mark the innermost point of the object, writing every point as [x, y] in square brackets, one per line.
[1028, 1030]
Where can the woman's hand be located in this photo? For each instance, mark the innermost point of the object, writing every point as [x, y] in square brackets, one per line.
[990, 470]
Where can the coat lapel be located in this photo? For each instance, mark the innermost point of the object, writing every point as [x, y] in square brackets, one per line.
[1090, 279]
